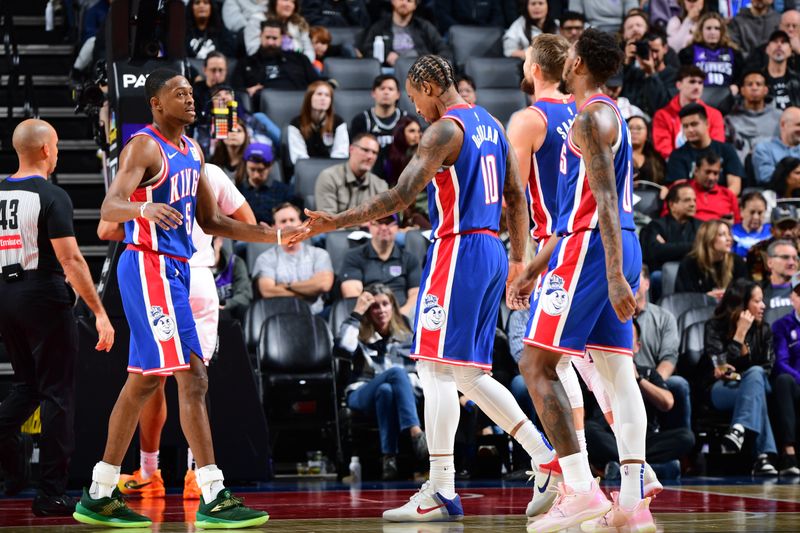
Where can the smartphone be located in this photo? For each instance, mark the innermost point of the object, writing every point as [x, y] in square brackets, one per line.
[643, 49]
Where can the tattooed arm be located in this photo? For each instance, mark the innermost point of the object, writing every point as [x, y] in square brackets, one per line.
[595, 133]
[516, 207]
[439, 146]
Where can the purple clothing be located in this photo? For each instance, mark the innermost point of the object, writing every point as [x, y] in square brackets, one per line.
[786, 339]
[717, 64]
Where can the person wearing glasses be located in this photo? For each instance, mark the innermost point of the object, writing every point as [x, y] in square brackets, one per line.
[262, 193]
[352, 182]
[782, 263]
[572, 25]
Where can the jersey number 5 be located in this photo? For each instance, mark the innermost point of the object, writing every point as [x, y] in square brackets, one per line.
[8, 214]
[489, 173]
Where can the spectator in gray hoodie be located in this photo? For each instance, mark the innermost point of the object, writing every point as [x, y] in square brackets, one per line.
[752, 119]
[236, 13]
[753, 25]
[604, 15]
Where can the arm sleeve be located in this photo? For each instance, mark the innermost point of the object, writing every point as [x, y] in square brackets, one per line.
[781, 347]
[232, 16]
[347, 339]
[242, 287]
[59, 214]
[683, 281]
[716, 126]
[512, 37]
[351, 266]
[662, 136]
[341, 142]
[669, 339]
[322, 261]
[763, 163]
[325, 191]
[252, 34]
[297, 145]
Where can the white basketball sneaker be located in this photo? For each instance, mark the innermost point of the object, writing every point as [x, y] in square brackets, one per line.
[545, 487]
[427, 505]
[652, 486]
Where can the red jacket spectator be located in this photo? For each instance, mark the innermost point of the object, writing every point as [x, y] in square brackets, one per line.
[667, 134]
[716, 203]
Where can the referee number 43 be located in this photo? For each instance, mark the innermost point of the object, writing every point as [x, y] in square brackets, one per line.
[8, 214]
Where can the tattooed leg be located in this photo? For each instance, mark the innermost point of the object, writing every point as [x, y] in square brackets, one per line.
[538, 368]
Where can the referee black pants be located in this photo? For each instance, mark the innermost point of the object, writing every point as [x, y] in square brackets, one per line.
[41, 337]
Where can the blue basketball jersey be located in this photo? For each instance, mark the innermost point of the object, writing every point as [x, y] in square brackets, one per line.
[542, 189]
[176, 185]
[467, 196]
[577, 207]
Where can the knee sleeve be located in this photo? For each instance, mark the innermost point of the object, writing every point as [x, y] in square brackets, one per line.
[569, 380]
[630, 417]
[490, 396]
[442, 409]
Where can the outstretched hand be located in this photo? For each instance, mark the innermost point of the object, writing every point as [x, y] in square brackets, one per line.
[295, 234]
[318, 222]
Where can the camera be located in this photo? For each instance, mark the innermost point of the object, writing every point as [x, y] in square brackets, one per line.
[89, 96]
[643, 49]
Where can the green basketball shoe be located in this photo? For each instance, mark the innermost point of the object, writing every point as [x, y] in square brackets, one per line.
[108, 512]
[227, 512]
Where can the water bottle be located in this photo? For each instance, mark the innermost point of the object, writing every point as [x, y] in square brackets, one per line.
[378, 51]
[49, 23]
[355, 469]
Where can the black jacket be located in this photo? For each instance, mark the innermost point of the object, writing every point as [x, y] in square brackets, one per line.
[649, 93]
[679, 240]
[427, 39]
[286, 71]
[692, 279]
[719, 342]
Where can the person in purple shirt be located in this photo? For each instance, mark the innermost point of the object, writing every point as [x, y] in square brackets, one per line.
[786, 381]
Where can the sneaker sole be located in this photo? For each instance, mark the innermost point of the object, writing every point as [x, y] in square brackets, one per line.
[423, 518]
[86, 519]
[208, 522]
[569, 522]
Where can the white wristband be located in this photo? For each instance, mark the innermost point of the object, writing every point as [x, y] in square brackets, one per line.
[279, 237]
[141, 209]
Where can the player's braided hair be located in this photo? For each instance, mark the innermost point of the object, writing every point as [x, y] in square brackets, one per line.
[433, 69]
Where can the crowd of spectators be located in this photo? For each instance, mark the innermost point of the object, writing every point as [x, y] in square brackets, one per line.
[711, 93]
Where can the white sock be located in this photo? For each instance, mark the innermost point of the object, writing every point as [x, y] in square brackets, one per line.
[581, 434]
[148, 463]
[190, 464]
[577, 474]
[631, 491]
[443, 476]
[535, 443]
[210, 479]
[104, 479]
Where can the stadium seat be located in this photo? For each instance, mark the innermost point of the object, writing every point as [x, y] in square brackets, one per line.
[352, 73]
[281, 106]
[494, 72]
[252, 251]
[349, 103]
[306, 172]
[502, 103]
[718, 97]
[260, 310]
[339, 312]
[693, 316]
[669, 272]
[417, 245]
[337, 244]
[679, 303]
[647, 198]
[347, 35]
[692, 345]
[475, 41]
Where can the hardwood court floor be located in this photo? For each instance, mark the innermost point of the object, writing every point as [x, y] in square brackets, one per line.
[695, 506]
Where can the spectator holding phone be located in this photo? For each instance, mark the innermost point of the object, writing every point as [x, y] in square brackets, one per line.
[737, 362]
[711, 265]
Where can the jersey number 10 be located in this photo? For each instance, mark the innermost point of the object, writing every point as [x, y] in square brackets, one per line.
[489, 173]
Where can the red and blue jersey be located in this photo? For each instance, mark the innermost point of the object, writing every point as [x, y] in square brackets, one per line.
[577, 206]
[542, 189]
[176, 185]
[467, 196]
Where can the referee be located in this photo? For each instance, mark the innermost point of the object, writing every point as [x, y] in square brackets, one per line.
[37, 249]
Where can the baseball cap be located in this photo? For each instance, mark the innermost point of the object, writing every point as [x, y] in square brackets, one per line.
[779, 34]
[221, 87]
[388, 219]
[258, 153]
[783, 213]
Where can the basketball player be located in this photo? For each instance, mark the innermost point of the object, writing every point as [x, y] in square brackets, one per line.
[146, 481]
[586, 300]
[159, 190]
[537, 134]
[465, 161]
